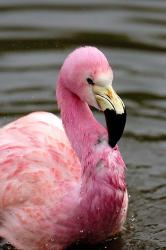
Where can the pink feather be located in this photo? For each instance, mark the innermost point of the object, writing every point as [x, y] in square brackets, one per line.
[53, 190]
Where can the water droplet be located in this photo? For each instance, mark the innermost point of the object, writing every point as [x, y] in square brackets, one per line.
[132, 218]
[115, 237]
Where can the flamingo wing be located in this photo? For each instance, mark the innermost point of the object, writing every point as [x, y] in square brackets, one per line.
[37, 169]
[36, 144]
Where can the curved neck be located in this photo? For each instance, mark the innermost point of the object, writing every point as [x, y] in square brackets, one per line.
[80, 125]
[84, 132]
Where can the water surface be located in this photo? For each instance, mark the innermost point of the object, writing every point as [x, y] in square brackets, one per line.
[36, 36]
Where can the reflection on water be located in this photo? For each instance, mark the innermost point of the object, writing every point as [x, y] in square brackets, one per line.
[36, 36]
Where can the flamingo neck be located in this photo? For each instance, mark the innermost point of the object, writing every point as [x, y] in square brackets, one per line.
[100, 206]
[80, 125]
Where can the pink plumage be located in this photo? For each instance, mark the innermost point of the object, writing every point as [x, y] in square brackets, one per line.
[60, 185]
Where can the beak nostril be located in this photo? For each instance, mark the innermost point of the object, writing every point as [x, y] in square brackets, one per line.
[109, 94]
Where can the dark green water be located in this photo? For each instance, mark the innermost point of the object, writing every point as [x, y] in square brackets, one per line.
[36, 36]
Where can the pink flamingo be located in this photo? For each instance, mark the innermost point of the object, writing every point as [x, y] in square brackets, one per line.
[62, 185]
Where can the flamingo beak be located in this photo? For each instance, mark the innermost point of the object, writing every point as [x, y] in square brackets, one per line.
[114, 109]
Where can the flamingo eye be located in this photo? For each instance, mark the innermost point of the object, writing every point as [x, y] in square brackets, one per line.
[90, 81]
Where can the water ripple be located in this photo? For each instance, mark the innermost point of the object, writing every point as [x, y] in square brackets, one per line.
[114, 40]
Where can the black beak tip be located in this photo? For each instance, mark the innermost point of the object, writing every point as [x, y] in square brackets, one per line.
[115, 126]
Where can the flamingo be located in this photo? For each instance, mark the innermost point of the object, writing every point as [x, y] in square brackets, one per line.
[63, 181]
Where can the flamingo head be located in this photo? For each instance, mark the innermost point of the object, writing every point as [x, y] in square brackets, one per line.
[88, 75]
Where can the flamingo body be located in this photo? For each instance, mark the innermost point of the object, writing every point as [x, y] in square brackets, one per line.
[61, 184]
